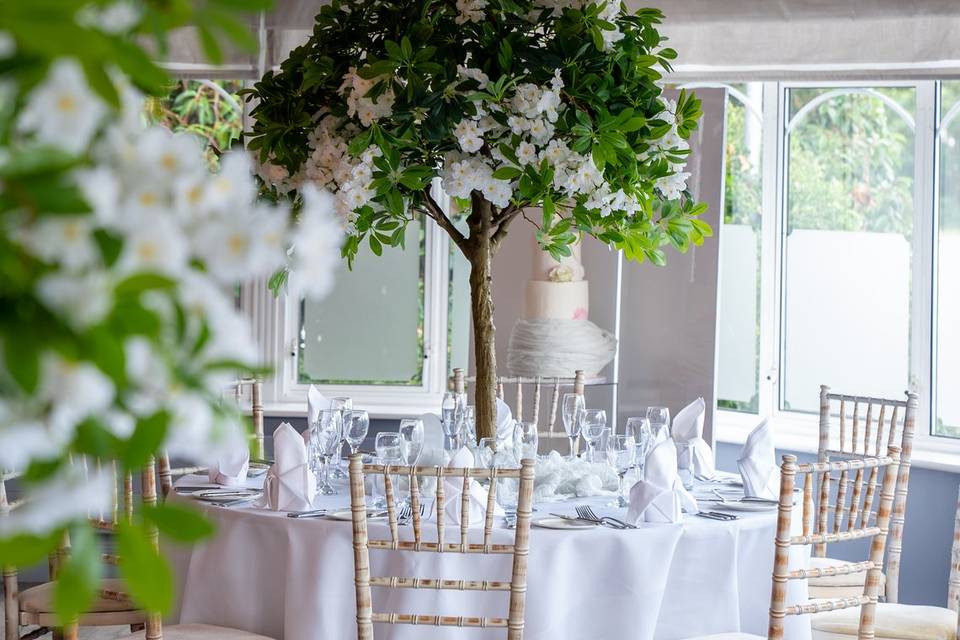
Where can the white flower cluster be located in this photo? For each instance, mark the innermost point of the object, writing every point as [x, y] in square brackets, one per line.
[367, 110]
[470, 11]
[152, 191]
[673, 185]
[531, 113]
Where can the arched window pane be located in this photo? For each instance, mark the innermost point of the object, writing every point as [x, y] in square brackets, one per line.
[847, 253]
[739, 315]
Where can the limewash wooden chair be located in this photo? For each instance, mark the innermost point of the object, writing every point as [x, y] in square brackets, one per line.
[551, 423]
[874, 527]
[519, 550]
[893, 620]
[33, 607]
[169, 475]
[857, 426]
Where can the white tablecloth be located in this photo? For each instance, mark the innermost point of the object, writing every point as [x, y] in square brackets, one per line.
[293, 578]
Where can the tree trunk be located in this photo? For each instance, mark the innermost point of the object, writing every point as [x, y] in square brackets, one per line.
[481, 304]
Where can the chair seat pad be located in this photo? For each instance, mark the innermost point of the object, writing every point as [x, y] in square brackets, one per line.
[199, 632]
[893, 622]
[39, 599]
[846, 580]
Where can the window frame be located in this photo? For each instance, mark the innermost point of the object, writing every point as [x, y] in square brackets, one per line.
[796, 431]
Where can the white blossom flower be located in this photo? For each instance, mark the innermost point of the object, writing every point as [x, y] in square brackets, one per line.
[167, 156]
[116, 18]
[367, 110]
[23, 437]
[469, 73]
[62, 110]
[82, 300]
[316, 246]
[155, 245]
[672, 186]
[73, 493]
[526, 153]
[233, 187]
[101, 189]
[75, 390]
[470, 11]
[64, 240]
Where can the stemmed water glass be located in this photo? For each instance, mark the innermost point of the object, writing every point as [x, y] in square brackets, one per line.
[659, 418]
[327, 434]
[639, 429]
[355, 429]
[572, 413]
[622, 453]
[594, 424]
[411, 440]
[345, 406]
[525, 440]
[450, 417]
[389, 451]
[469, 428]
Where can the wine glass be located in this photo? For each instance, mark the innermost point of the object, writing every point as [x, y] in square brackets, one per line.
[685, 463]
[355, 429]
[448, 414]
[622, 454]
[594, 424]
[659, 418]
[345, 406]
[411, 440]
[572, 413]
[639, 429]
[469, 428]
[526, 439]
[387, 446]
[327, 439]
[485, 452]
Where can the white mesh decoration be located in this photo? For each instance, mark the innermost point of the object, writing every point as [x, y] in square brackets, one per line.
[552, 347]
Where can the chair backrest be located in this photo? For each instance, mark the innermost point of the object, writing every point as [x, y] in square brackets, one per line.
[953, 588]
[517, 586]
[862, 523]
[547, 425]
[857, 426]
[168, 474]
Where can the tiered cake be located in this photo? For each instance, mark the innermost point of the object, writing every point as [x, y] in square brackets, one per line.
[554, 337]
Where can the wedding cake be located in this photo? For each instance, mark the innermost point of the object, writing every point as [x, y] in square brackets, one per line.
[554, 336]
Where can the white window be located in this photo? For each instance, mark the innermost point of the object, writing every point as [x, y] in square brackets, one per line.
[838, 263]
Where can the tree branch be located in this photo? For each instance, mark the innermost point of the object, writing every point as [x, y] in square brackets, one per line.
[505, 221]
[435, 212]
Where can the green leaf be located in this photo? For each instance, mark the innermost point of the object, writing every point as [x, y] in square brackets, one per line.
[143, 569]
[107, 352]
[100, 82]
[179, 522]
[211, 48]
[79, 576]
[23, 362]
[146, 440]
[25, 550]
[375, 245]
[507, 173]
[137, 284]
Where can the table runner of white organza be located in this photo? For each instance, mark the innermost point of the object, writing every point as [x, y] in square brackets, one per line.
[293, 578]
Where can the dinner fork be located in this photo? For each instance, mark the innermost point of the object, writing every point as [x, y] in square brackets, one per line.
[584, 512]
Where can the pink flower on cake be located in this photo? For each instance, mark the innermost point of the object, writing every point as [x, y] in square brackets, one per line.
[580, 314]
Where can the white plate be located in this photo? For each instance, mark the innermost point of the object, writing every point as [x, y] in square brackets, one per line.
[553, 522]
[347, 516]
[257, 469]
[226, 495]
[748, 505]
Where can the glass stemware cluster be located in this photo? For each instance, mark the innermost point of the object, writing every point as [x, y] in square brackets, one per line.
[457, 419]
[335, 425]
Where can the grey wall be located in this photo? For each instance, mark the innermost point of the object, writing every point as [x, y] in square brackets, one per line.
[927, 535]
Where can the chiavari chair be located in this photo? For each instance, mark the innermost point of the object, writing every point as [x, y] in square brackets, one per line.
[858, 426]
[874, 528]
[33, 607]
[539, 389]
[169, 475]
[895, 620]
[519, 550]
[153, 629]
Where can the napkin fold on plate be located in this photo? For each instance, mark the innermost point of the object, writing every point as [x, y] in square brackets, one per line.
[453, 492]
[289, 485]
[758, 464]
[660, 496]
[688, 427]
[230, 468]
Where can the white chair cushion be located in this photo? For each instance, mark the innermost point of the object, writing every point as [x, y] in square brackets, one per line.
[893, 622]
[199, 632]
[842, 586]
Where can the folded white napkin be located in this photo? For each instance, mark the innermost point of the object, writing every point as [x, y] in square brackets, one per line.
[290, 485]
[504, 421]
[316, 402]
[688, 427]
[230, 468]
[758, 464]
[660, 496]
[453, 492]
[432, 431]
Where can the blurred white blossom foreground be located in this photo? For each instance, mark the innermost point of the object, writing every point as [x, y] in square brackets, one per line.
[130, 330]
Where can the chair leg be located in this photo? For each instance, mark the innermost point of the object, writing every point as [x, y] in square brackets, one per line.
[137, 627]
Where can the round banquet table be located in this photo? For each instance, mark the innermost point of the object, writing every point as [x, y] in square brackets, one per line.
[293, 578]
